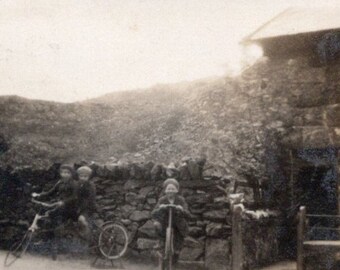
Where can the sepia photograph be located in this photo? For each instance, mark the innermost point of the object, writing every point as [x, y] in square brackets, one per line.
[170, 134]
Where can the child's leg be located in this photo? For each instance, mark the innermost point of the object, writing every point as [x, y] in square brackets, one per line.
[56, 221]
[161, 233]
[181, 231]
[178, 245]
[84, 226]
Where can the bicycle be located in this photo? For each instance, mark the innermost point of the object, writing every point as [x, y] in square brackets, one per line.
[166, 262]
[111, 244]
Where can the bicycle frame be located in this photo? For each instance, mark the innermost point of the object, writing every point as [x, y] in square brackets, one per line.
[169, 247]
[37, 217]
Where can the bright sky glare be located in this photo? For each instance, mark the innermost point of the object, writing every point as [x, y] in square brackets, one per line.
[69, 50]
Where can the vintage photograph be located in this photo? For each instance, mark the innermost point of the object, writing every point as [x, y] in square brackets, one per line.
[170, 134]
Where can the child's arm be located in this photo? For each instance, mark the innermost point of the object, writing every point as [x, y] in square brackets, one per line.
[184, 208]
[49, 192]
[158, 208]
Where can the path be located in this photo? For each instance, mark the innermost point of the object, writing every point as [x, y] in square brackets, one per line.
[33, 262]
[281, 266]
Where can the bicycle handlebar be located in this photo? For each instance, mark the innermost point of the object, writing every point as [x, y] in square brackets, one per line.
[170, 206]
[44, 204]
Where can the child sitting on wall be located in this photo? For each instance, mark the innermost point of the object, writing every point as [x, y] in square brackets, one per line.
[180, 214]
[86, 200]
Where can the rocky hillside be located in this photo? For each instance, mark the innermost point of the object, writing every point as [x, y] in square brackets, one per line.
[232, 122]
[39, 132]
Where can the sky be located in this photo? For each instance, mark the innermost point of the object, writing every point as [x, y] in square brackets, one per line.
[71, 50]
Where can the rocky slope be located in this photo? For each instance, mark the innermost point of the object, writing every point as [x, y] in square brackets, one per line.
[234, 122]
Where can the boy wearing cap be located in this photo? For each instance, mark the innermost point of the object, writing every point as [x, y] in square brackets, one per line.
[181, 213]
[86, 200]
[66, 192]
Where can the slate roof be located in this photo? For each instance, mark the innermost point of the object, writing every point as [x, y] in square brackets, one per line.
[295, 21]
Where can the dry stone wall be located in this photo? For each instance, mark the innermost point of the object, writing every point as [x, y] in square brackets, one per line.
[128, 193]
[262, 234]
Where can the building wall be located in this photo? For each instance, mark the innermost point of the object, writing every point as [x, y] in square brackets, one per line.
[306, 99]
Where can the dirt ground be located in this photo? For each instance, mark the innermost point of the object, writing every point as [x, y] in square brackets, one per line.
[34, 262]
[281, 266]
[30, 262]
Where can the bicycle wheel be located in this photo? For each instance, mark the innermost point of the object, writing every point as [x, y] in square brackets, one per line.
[113, 241]
[18, 249]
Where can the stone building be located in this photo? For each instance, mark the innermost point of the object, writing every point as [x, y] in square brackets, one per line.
[300, 64]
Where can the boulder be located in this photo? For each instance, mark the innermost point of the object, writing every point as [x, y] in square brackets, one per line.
[137, 171]
[156, 173]
[113, 188]
[140, 215]
[23, 223]
[99, 197]
[140, 206]
[198, 184]
[148, 229]
[217, 230]
[197, 209]
[151, 201]
[187, 192]
[127, 210]
[196, 231]
[113, 170]
[194, 170]
[126, 222]
[132, 184]
[109, 208]
[4, 222]
[192, 250]
[217, 254]
[199, 198]
[101, 171]
[145, 191]
[147, 170]
[124, 169]
[131, 198]
[132, 231]
[109, 215]
[144, 243]
[146, 207]
[106, 202]
[171, 171]
[201, 162]
[184, 173]
[216, 215]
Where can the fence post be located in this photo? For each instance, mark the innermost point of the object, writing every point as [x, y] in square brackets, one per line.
[237, 252]
[301, 237]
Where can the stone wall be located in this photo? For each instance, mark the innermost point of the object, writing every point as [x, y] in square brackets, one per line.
[306, 99]
[261, 236]
[128, 194]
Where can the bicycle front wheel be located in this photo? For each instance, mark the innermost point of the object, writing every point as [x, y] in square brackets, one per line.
[18, 249]
[113, 241]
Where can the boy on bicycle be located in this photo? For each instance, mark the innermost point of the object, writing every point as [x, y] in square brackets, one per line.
[181, 213]
[66, 192]
[86, 200]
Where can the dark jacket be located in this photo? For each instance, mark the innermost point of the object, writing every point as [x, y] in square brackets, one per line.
[179, 217]
[66, 191]
[86, 197]
[179, 200]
